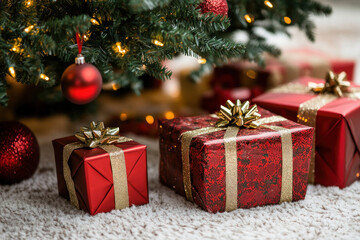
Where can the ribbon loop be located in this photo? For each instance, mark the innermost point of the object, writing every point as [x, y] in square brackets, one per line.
[238, 114]
[334, 84]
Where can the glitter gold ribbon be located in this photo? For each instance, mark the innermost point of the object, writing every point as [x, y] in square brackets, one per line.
[118, 167]
[231, 159]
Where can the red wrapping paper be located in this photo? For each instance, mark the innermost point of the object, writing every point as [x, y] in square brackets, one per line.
[337, 161]
[259, 166]
[93, 179]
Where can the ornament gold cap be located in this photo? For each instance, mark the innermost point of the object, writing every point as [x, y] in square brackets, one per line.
[79, 59]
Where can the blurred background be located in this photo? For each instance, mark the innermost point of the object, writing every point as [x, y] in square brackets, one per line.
[336, 47]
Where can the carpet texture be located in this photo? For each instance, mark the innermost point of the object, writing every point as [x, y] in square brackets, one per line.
[32, 209]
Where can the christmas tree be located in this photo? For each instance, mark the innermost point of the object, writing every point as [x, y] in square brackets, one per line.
[126, 39]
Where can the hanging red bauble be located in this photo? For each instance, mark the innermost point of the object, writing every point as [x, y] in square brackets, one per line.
[81, 82]
[19, 152]
[215, 6]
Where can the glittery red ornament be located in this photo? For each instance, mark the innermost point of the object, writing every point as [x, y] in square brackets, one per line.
[81, 83]
[214, 6]
[19, 152]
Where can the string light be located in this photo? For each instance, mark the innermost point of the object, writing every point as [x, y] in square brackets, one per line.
[169, 115]
[249, 18]
[157, 43]
[268, 4]
[201, 61]
[149, 119]
[94, 21]
[123, 116]
[251, 74]
[12, 72]
[287, 20]
[28, 3]
[44, 77]
[29, 28]
[357, 175]
[120, 49]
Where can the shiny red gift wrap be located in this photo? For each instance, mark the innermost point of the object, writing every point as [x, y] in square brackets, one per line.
[259, 165]
[337, 160]
[93, 178]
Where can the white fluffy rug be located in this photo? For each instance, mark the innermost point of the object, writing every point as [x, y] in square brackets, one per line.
[33, 210]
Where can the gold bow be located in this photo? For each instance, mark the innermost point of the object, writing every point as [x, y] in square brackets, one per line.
[334, 84]
[97, 135]
[238, 114]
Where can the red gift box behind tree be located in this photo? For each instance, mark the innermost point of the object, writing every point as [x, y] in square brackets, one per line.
[337, 157]
[100, 185]
[258, 171]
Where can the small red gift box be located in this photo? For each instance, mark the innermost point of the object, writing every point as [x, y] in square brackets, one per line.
[100, 185]
[337, 158]
[221, 169]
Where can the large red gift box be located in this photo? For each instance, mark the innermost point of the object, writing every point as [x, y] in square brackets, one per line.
[337, 159]
[92, 174]
[265, 168]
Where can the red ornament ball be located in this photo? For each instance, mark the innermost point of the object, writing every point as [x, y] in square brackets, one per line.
[215, 6]
[19, 152]
[81, 83]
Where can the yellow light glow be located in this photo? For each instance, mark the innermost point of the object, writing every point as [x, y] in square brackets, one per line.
[115, 86]
[268, 4]
[120, 49]
[29, 28]
[12, 72]
[157, 43]
[249, 18]
[123, 116]
[149, 119]
[251, 74]
[169, 115]
[357, 175]
[202, 61]
[43, 76]
[28, 3]
[287, 20]
[94, 21]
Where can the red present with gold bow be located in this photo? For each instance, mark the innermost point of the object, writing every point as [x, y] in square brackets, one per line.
[240, 158]
[333, 108]
[98, 170]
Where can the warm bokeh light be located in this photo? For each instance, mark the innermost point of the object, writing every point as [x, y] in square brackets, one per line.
[43, 76]
[29, 28]
[202, 61]
[120, 49]
[251, 74]
[123, 116]
[287, 20]
[169, 115]
[115, 86]
[249, 18]
[28, 3]
[157, 43]
[357, 175]
[149, 119]
[268, 4]
[12, 72]
[94, 21]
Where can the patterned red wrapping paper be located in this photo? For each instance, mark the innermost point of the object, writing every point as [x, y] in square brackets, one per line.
[337, 161]
[92, 175]
[259, 165]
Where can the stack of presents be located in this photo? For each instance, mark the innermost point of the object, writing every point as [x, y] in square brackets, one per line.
[275, 131]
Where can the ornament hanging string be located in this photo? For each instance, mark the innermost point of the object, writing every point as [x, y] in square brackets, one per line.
[80, 41]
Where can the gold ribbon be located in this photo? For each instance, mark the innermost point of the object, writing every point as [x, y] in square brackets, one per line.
[118, 167]
[335, 86]
[231, 158]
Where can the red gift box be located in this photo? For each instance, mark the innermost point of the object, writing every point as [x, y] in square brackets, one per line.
[337, 160]
[220, 173]
[92, 174]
